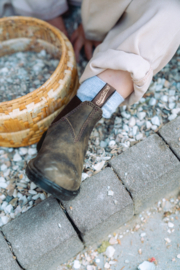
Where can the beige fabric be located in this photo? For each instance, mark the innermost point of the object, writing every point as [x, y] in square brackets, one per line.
[42, 9]
[142, 42]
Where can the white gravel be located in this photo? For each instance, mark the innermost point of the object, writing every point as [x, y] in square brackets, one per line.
[24, 72]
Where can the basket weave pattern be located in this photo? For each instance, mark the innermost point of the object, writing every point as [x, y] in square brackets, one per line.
[23, 120]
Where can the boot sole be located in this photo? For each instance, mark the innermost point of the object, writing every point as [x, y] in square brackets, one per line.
[47, 185]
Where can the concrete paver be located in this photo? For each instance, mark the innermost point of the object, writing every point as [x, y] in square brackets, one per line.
[171, 134]
[153, 244]
[43, 237]
[94, 212]
[6, 257]
[149, 170]
[154, 233]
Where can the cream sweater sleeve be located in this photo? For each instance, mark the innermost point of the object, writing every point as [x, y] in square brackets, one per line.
[42, 9]
[99, 16]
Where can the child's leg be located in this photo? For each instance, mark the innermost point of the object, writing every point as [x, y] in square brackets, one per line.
[120, 80]
[142, 43]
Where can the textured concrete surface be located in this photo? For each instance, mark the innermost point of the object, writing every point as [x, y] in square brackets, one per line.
[6, 257]
[135, 249]
[171, 134]
[42, 238]
[149, 170]
[94, 212]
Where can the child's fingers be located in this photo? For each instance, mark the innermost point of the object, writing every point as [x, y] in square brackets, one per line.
[96, 43]
[65, 32]
[74, 36]
[88, 49]
[78, 46]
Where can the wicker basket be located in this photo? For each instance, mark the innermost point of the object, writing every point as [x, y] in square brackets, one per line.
[23, 120]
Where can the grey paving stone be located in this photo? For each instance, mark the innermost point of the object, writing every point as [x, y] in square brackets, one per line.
[94, 212]
[154, 244]
[149, 170]
[171, 134]
[6, 258]
[43, 238]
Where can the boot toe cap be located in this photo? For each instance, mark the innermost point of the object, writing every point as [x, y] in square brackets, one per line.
[60, 173]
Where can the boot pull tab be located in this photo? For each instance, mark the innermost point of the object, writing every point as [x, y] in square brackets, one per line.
[103, 95]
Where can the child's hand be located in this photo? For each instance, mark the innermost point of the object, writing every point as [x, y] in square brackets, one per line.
[79, 40]
[59, 23]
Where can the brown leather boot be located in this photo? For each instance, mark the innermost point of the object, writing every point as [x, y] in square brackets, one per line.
[59, 164]
[75, 101]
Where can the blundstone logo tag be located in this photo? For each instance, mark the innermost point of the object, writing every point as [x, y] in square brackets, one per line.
[101, 99]
[104, 94]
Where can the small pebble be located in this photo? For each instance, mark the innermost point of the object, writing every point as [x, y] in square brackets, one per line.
[76, 264]
[107, 265]
[132, 121]
[139, 136]
[164, 98]
[42, 196]
[91, 267]
[118, 121]
[125, 115]
[146, 266]
[32, 186]
[155, 121]
[172, 117]
[5, 219]
[135, 130]
[172, 105]
[176, 111]
[99, 166]
[167, 240]
[148, 124]
[141, 115]
[32, 151]
[32, 192]
[153, 127]
[170, 225]
[17, 157]
[110, 252]
[35, 197]
[23, 151]
[110, 193]
[152, 101]
[3, 167]
[113, 241]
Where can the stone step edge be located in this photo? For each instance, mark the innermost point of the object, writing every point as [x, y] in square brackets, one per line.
[78, 233]
[74, 226]
[11, 250]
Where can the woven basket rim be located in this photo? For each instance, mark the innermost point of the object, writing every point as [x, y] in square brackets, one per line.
[59, 35]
